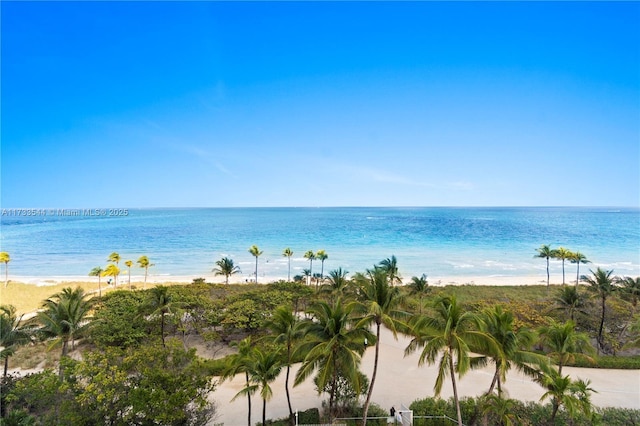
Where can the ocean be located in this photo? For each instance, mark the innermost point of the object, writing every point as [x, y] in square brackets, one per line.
[440, 242]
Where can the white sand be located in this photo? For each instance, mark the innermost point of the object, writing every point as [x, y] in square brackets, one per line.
[138, 280]
[401, 381]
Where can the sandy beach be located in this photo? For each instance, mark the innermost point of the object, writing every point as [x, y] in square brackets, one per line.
[138, 280]
[401, 381]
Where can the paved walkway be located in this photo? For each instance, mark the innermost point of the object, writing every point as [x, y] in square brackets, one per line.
[401, 381]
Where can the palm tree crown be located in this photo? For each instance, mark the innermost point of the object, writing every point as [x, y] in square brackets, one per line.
[5, 258]
[226, 268]
[322, 255]
[311, 256]
[564, 342]
[13, 333]
[97, 272]
[390, 266]
[144, 263]
[64, 317]
[562, 254]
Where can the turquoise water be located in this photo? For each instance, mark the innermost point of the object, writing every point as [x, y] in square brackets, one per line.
[447, 242]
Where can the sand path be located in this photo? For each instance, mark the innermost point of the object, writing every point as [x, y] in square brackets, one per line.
[401, 381]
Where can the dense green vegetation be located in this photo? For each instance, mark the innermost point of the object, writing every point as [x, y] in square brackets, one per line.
[135, 364]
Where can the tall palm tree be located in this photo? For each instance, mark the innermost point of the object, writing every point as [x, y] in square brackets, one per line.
[226, 268]
[545, 252]
[378, 304]
[129, 264]
[390, 266]
[240, 363]
[602, 284]
[255, 252]
[64, 317]
[144, 263]
[419, 286]
[288, 253]
[161, 303]
[450, 334]
[631, 287]
[578, 258]
[562, 254]
[573, 395]
[97, 272]
[333, 346]
[263, 368]
[114, 258]
[5, 258]
[287, 330]
[322, 255]
[13, 333]
[311, 256]
[514, 344]
[571, 300]
[564, 342]
[111, 271]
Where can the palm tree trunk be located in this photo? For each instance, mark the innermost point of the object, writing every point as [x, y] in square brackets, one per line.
[6, 365]
[264, 411]
[246, 376]
[578, 274]
[604, 306]
[455, 388]
[286, 383]
[6, 274]
[373, 376]
[555, 410]
[256, 269]
[129, 279]
[289, 273]
[494, 381]
[562, 271]
[162, 329]
[547, 274]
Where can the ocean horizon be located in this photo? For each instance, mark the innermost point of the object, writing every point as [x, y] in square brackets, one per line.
[441, 242]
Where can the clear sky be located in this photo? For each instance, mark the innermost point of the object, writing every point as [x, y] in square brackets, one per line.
[189, 104]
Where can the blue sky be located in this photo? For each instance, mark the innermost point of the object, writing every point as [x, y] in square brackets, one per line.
[188, 104]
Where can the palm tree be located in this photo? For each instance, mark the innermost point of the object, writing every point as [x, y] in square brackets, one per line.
[578, 258]
[562, 254]
[111, 271]
[513, 344]
[255, 252]
[631, 287]
[240, 363]
[114, 258]
[263, 368]
[378, 302]
[333, 346]
[12, 333]
[287, 331]
[390, 266]
[574, 395]
[97, 272]
[5, 258]
[419, 286]
[545, 252]
[226, 268]
[310, 255]
[64, 316]
[564, 342]
[571, 300]
[449, 334]
[129, 264]
[322, 256]
[603, 285]
[500, 408]
[337, 283]
[144, 263]
[161, 303]
[288, 253]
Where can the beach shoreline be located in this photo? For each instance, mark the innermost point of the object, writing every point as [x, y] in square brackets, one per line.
[137, 280]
